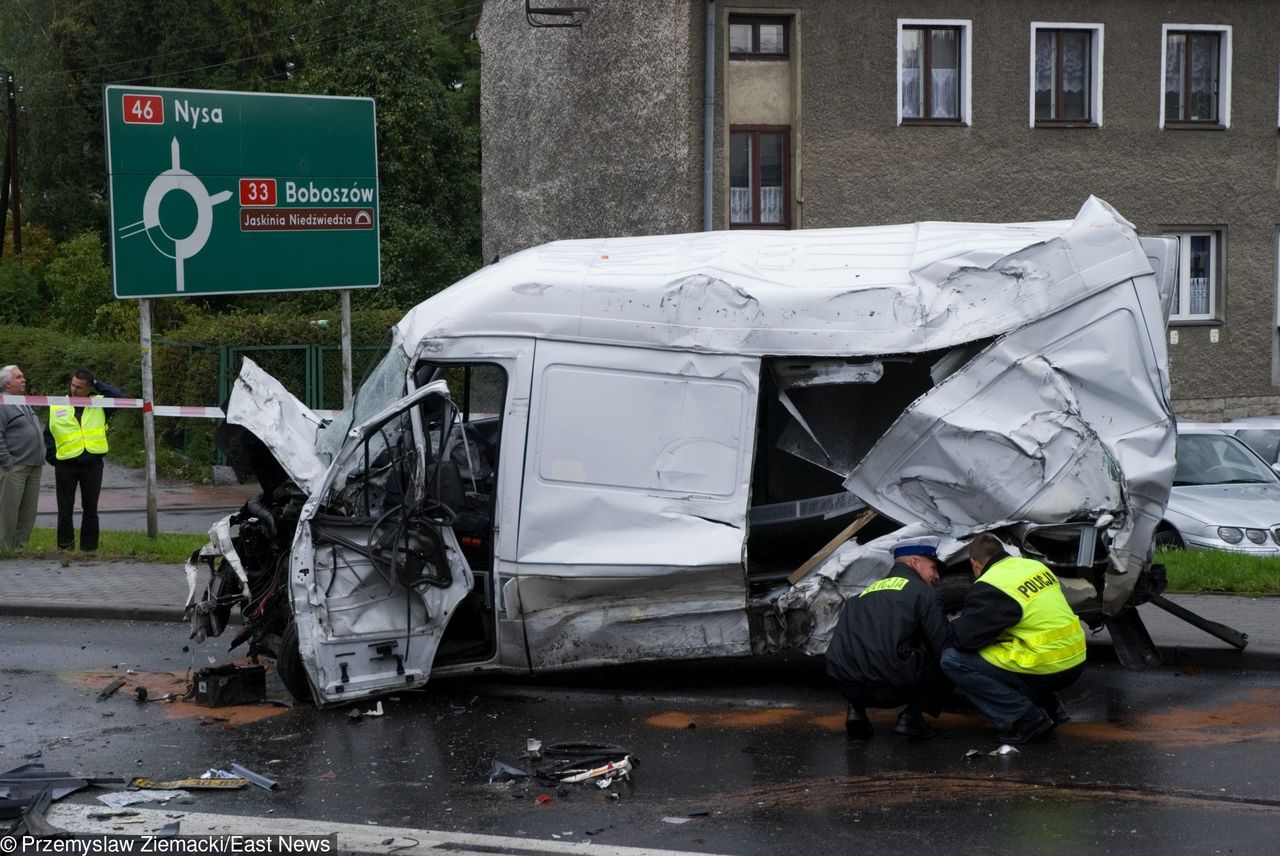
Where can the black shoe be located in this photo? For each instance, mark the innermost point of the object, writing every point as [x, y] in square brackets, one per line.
[912, 725]
[1058, 712]
[1028, 728]
[856, 724]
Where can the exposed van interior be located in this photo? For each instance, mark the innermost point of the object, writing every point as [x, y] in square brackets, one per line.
[817, 418]
[462, 467]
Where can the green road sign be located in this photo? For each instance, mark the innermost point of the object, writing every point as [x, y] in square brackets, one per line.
[234, 192]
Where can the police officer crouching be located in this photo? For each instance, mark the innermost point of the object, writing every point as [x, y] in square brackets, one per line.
[1017, 643]
[886, 645]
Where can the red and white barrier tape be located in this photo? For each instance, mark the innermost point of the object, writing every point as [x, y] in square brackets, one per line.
[129, 404]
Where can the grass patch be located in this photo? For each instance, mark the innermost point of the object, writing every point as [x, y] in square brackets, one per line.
[167, 548]
[1210, 571]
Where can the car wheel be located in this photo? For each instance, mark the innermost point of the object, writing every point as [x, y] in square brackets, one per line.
[1168, 538]
[952, 590]
[290, 669]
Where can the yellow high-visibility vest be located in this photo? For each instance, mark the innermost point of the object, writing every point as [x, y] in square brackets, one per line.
[1049, 637]
[72, 438]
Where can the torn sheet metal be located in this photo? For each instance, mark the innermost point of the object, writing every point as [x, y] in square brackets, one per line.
[261, 404]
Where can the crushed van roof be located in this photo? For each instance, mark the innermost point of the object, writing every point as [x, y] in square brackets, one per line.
[826, 292]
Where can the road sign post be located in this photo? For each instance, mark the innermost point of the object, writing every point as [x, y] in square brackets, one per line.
[234, 193]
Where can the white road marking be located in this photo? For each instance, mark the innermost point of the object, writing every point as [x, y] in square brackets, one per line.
[351, 836]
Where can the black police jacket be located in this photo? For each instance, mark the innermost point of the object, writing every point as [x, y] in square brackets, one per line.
[888, 632]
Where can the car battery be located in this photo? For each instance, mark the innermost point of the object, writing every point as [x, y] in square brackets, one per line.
[227, 685]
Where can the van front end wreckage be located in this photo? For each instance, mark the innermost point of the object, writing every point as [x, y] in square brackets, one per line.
[613, 450]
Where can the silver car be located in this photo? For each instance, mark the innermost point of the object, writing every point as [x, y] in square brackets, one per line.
[1224, 497]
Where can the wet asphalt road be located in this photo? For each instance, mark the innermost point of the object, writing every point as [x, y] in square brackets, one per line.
[751, 754]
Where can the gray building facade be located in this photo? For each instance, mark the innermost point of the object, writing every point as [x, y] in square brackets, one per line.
[837, 113]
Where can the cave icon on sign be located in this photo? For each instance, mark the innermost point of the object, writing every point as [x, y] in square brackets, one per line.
[179, 179]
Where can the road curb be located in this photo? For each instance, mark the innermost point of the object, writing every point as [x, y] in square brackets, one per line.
[106, 611]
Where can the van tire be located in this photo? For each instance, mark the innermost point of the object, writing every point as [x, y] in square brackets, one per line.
[290, 669]
[952, 589]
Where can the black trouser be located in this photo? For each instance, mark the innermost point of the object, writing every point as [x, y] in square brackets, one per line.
[86, 472]
[929, 691]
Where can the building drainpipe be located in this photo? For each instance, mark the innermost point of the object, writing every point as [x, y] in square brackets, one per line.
[709, 118]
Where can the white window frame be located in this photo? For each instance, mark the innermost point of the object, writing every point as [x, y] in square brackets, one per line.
[1217, 262]
[1095, 94]
[966, 60]
[1224, 67]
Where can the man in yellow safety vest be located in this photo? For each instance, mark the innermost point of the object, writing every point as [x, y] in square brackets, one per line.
[1017, 643]
[75, 443]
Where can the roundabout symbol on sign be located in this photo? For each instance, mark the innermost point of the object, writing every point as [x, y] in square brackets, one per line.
[178, 249]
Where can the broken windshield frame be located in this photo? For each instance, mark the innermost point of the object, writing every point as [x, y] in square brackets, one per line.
[384, 386]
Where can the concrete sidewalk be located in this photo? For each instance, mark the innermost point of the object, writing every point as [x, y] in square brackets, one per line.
[125, 489]
[137, 590]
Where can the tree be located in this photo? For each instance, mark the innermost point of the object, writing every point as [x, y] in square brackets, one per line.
[79, 281]
[420, 64]
[416, 58]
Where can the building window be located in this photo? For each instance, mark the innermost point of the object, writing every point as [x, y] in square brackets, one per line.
[759, 168]
[1197, 76]
[1199, 277]
[1066, 74]
[933, 71]
[755, 37]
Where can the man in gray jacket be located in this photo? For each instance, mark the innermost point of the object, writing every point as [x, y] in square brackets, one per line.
[21, 456]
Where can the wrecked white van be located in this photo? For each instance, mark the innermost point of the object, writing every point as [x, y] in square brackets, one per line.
[600, 451]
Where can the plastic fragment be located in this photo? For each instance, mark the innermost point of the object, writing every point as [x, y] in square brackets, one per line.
[676, 820]
[544, 799]
[1005, 749]
[500, 772]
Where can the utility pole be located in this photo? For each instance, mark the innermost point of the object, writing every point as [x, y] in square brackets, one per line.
[4, 182]
[11, 189]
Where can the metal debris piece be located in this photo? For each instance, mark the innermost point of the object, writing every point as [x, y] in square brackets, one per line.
[675, 820]
[256, 779]
[120, 799]
[533, 746]
[1004, 749]
[212, 783]
[377, 710]
[110, 689]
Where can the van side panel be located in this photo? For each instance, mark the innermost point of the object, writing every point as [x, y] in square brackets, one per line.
[634, 506]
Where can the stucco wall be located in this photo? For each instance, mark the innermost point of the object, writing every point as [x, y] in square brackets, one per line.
[545, 91]
[594, 130]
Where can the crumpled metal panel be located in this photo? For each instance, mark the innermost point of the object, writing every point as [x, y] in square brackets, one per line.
[598, 617]
[864, 291]
[261, 404]
[1065, 420]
